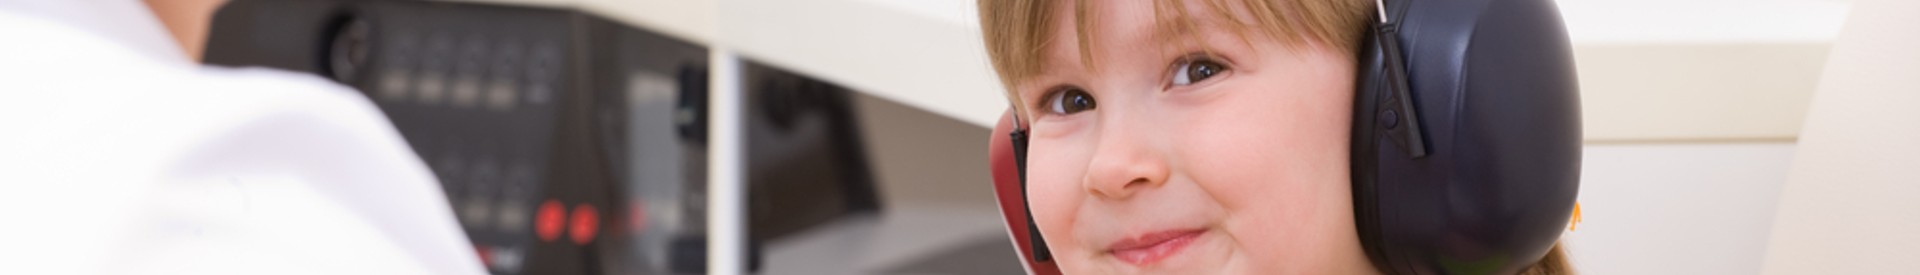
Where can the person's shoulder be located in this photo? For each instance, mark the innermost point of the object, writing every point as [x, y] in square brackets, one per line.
[319, 167]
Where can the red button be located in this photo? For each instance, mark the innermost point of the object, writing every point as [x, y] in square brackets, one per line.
[550, 220]
[586, 223]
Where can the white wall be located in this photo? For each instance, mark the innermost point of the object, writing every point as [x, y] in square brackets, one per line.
[1688, 208]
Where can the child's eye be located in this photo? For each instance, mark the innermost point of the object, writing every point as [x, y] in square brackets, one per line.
[1070, 100]
[1195, 70]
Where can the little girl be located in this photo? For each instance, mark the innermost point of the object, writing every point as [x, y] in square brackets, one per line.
[1188, 137]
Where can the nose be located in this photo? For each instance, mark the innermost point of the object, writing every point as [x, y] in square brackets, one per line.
[1124, 164]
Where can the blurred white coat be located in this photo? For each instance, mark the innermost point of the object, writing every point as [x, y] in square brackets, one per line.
[119, 155]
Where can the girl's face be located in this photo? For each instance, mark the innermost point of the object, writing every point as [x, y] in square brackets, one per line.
[1209, 153]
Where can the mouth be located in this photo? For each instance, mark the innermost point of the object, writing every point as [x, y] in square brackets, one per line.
[1152, 247]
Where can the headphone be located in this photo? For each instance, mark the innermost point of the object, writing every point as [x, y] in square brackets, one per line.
[1465, 154]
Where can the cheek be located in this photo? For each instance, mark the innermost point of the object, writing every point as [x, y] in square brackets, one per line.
[1274, 154]
[1286, 182]
[1281, 135]
[1053, 193]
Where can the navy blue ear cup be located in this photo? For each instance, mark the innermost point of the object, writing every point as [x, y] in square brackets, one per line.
[1466, 136]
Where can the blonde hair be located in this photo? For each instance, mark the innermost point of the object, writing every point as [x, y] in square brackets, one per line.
[1017, 32]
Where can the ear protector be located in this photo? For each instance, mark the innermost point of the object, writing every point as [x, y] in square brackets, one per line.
[1465, 147]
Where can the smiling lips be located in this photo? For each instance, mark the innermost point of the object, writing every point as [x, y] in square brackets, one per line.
[1149, 248]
